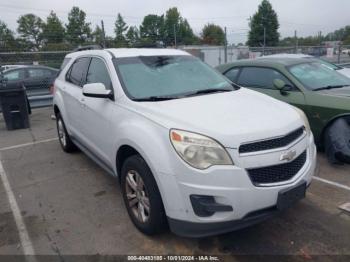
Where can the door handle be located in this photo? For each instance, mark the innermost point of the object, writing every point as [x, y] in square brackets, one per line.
[82, 102]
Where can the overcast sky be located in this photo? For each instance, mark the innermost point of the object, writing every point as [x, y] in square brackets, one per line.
[306, 16]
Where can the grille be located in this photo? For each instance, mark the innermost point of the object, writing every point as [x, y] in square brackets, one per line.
[277, 173]
[272, 143]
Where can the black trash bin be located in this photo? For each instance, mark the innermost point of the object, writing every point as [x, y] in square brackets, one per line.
[14, 106]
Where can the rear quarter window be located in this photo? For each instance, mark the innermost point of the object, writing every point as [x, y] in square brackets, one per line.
[65, 62]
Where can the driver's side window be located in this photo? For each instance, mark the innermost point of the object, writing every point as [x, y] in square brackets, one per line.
[261, 77]
[98, 73]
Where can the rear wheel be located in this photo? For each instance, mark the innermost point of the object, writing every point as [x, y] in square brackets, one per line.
[141, 196]
[63, 136]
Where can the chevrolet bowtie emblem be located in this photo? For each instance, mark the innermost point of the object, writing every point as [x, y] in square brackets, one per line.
[288, 156]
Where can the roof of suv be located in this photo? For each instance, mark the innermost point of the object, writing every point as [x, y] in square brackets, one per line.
[131, 52]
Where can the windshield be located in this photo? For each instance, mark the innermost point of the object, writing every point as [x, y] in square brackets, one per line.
[168, 76]
[317, 75]
[330, 65]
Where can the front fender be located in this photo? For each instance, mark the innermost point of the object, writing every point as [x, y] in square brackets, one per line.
[150, 140]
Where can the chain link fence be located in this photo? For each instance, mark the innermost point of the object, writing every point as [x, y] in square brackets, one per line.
[39, 95]
[217, 55]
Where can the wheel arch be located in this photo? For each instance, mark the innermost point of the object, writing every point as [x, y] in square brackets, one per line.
[329, 123]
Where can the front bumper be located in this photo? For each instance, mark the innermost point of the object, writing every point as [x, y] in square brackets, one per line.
[230, 186]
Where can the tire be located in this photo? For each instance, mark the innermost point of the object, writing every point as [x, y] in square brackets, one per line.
[63, 136]
[141, 196]
[337, 142]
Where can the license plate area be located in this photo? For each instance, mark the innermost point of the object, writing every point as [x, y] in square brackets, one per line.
[289, 196]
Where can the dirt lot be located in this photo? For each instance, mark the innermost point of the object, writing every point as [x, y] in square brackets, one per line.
[68, 205]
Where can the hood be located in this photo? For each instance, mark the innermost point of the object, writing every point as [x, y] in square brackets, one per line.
[230, 117]
[341, 92]
[344, 71]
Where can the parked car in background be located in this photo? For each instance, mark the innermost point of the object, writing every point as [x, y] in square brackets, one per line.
[341, 69]
[191, 149]
[346, 52]
[6, 67]
[321, 92]
[36, 79]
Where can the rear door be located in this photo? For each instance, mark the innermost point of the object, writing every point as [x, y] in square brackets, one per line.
[96, 113]
[38, 81]
[261, 79]
[73, 95]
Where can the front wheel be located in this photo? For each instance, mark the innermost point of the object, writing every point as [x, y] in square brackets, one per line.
[141, 196]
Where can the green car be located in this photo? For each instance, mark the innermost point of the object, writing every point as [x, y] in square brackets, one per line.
[309, 84]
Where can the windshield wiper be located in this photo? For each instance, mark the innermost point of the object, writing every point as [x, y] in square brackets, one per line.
[329, 87]
[209, 91]
[155, 98]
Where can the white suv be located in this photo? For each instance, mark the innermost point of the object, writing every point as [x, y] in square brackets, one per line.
[191, 149]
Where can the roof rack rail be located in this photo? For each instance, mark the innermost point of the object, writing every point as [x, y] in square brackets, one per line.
[87, 47]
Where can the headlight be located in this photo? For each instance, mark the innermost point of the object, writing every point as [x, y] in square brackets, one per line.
[199, 151]
[306, 121]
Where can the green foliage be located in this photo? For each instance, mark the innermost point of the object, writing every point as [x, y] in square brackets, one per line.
[213, 35]
[152, 28]
[175, 24]
[53, 30]
[264, 17]
[78, 31]
[97, 35]
[120, 29]
[7, 39]
[30, 28]
[132, 36]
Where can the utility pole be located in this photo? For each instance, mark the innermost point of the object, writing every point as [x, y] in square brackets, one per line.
[225, 50]
[264, 40]
[175, 40]
[296, 41]
[103, 36]
[320, 39]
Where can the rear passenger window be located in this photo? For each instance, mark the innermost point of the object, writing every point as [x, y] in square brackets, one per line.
[77, 71]
[38, 73]
[98, 73]
[232, 74]
[259, 77]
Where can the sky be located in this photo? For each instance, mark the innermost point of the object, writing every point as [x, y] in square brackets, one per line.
[308, 17]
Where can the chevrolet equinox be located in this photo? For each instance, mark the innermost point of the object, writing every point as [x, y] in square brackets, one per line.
[192, 150]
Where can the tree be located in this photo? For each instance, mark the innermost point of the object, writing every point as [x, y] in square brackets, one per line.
[78, 31]
[186, 35]
[7, 39]
[172, 21]
[152, 28]
[30, 28]
[53, 30]
[97, 35]
[213, 35]
[174, 24]
[266, 18]
[132, 36]
[120, 29]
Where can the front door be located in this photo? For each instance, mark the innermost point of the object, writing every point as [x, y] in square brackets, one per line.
[96, 114]
[261, 79]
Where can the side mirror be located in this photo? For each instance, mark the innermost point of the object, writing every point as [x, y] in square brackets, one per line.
[279, 84]
[97, 90]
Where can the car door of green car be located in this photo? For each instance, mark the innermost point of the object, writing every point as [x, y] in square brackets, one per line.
[261, 79]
